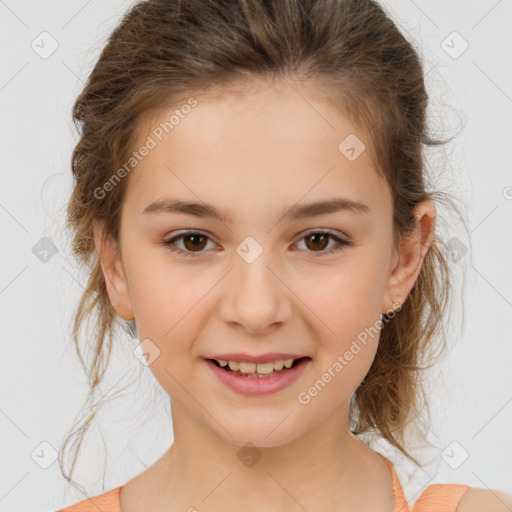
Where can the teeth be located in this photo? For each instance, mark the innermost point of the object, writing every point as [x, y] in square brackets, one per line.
[262, 368]
[233, 365]
[278, 365]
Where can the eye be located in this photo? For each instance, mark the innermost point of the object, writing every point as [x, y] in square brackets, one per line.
[192, 240]
[319, 239]
[195, 241]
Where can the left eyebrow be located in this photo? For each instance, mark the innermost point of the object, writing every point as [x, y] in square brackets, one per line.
[295, 212]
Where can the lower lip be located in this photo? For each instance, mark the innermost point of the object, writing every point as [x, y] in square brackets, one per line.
[256, 385]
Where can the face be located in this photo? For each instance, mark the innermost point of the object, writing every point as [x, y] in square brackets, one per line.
[268, 276]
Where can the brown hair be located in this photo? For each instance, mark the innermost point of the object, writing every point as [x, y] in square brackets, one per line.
[165, 50]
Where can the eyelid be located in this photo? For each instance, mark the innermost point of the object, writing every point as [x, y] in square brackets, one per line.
[326, 231]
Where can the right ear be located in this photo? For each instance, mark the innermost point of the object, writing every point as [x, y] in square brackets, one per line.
[113, 272]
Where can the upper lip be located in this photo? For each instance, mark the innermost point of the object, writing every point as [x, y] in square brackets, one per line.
[263, 358]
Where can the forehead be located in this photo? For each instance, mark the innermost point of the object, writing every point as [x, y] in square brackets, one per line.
[279, 140]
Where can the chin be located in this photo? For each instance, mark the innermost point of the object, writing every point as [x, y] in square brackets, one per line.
[264, 434]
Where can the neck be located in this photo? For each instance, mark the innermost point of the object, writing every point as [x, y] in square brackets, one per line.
[327, 466]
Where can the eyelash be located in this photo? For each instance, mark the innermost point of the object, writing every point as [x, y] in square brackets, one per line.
[342, 243]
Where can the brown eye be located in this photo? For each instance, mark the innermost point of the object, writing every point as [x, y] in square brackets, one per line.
[193, 243]
[318, 241]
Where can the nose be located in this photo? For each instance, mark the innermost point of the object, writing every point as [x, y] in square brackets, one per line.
[255, 295]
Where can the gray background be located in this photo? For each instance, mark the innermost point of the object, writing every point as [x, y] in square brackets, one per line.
[42, 386]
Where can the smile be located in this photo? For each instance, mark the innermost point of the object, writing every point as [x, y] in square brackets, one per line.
[258, 378]
[261, 370]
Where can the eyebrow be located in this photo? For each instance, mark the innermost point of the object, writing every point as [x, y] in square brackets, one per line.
[296, 212]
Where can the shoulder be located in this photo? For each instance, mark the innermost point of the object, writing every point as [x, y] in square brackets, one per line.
[485, 500]
[106, 502]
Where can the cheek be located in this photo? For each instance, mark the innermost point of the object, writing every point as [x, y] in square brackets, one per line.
[346, 333]
[346, 300]
[345, 320]
[163, 294]
[171, 305]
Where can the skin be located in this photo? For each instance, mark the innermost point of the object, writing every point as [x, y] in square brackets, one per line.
[254, 155]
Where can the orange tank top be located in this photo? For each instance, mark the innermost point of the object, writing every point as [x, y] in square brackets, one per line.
[435, 498]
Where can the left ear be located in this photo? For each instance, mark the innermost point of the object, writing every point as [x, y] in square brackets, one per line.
[409, 257]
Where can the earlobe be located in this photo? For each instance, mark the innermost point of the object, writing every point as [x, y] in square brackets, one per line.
[411, 253]
[113, 273]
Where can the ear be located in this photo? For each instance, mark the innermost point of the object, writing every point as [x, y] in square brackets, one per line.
[112, 267]
[408, 258]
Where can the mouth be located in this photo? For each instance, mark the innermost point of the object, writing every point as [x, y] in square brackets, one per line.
[258, 379]
[258, 370]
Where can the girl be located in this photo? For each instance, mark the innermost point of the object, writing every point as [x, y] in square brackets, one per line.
[250, 186]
